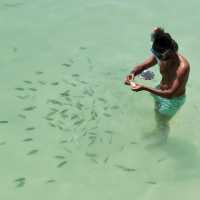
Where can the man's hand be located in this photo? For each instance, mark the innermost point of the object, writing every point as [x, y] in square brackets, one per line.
[136, 87]
[129, 78]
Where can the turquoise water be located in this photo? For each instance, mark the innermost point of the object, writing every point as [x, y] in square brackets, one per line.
[69, 127]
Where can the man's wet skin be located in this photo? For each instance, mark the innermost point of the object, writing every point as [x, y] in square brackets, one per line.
[169, 70]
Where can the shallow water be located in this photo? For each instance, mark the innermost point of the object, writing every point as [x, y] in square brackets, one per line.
[69, 128]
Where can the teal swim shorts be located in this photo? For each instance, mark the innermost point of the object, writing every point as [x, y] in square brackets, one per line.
[168, 107]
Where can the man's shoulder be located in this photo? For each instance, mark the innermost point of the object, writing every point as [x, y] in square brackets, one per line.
[184, 62]
[183, 69]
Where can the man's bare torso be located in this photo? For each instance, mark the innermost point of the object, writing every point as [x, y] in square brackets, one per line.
[169, 71]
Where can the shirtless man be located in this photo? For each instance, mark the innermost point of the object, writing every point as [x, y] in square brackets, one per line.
[169, 95]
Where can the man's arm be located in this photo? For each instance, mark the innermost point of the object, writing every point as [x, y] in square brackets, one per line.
[169, 93]
[165, 93]
[151, 61]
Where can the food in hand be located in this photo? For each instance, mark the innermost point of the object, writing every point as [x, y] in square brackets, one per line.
[133, 84]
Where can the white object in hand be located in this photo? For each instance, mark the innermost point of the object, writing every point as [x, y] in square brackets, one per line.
[133, 84]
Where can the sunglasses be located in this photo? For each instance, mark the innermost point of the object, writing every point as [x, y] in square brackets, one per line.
[160, 56]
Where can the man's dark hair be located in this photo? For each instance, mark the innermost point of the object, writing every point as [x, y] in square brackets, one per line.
[163, 41]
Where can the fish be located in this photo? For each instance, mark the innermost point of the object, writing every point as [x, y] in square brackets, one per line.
[21, 184]
[84, 82]
[54, 83]
[51, 181]
[114, 107]
[92, 142]
[101, 140]
[75, 75]
[110, 141]
[28, 82]
[3, 122]
[83, 48]
[87, 92]
[94, 114]
[49, 118]
[22, 116]
[19, 88]
[2, 143]
[61, 164]
[63, 111]
[162, 159]
[20, 179]
[89, 60]
[28, 139]
[30, 128]
[59, 157]
[39, 72]
[92, 139]
[60, 127]
[34, 151]
[54, 102]
[122, 148]
[79, 122]
[74, 116]
[52, 113]
[85, 133]
[63, 141]
[29, 108]
[65, 93]
[133, 142]
[107, 114]
[106, 159]
[127, 169]
[66, 65]
[52, 125]
[92, 133]
[108, 131]
[73, 84]
[91, 154]
[95, 127]
[42, 82]
[33, 89]
[54, 109]
[79, 105]
[67, 150]
[151, 182]
[15, 49]
[102, 99]
[64, 116]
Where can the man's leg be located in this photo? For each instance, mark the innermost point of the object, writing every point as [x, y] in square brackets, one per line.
[160, 133]
[162, 125]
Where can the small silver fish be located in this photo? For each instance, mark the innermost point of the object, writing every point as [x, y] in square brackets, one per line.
[61, 164]
[29, 108]
[34, 151]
